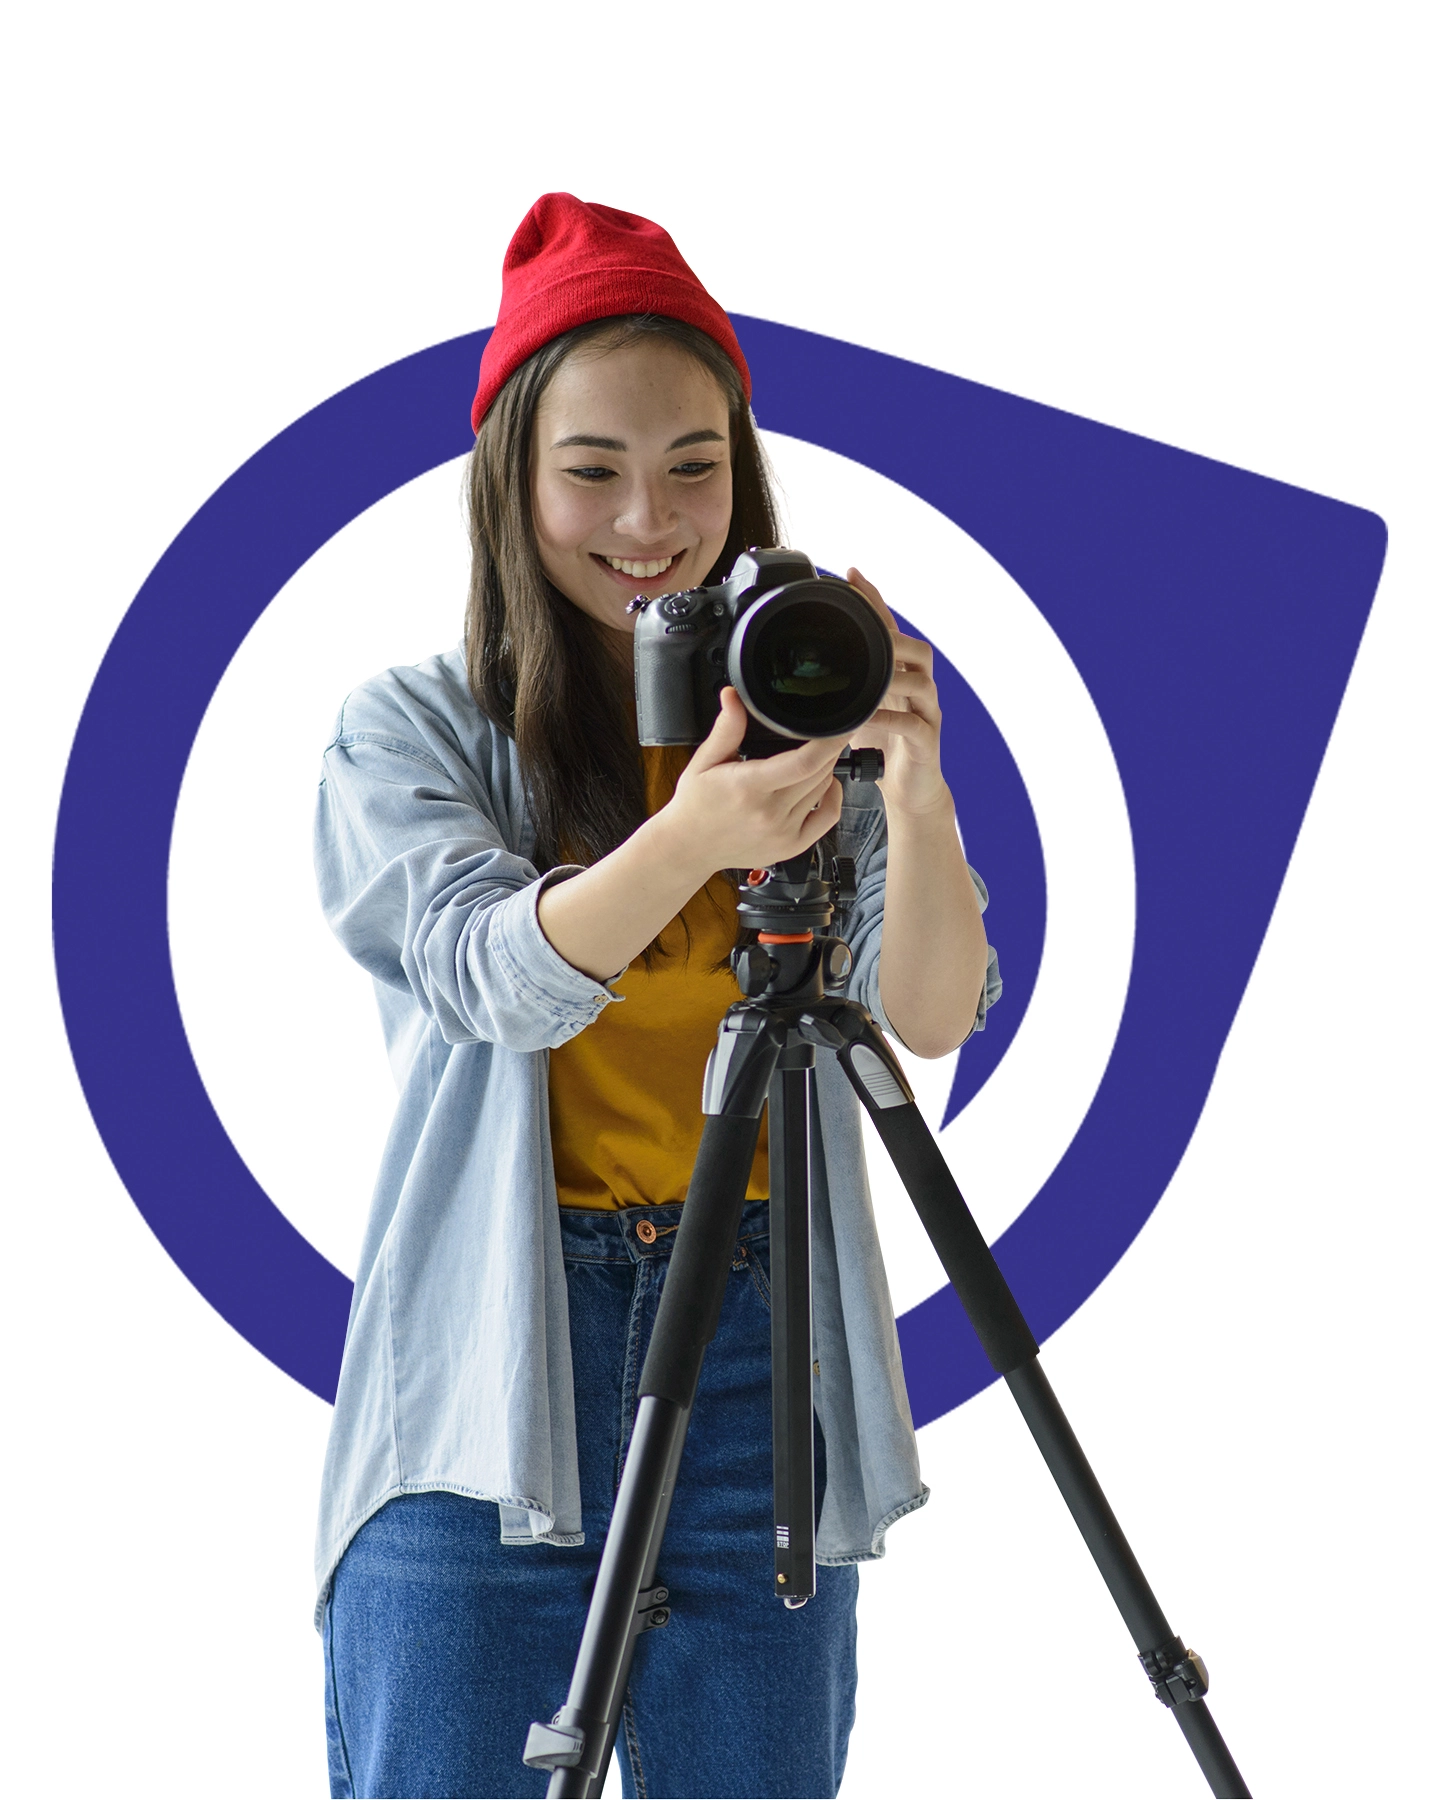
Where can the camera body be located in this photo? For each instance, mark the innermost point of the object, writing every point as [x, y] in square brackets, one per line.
[807, 654]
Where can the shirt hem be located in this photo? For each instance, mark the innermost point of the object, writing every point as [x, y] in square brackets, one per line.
[877, 1541]
[566, 1540]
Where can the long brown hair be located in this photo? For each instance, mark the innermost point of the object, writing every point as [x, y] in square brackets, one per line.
[540, 668]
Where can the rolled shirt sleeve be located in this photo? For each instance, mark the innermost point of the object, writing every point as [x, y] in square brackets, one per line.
[418, 884]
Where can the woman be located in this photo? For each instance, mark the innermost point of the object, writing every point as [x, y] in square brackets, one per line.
[546, 913]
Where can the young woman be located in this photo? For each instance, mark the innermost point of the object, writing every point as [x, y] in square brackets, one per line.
[546, 912]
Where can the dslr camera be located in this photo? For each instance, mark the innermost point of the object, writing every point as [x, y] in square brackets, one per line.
[806, 652]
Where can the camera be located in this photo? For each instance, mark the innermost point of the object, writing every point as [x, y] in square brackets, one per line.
[806, 652]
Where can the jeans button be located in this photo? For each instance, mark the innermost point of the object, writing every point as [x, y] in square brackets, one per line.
[645, 1231]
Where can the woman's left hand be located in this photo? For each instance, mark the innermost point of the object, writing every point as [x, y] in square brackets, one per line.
[906, 725]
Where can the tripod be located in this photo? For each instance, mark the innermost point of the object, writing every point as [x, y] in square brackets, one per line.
[766, 1052]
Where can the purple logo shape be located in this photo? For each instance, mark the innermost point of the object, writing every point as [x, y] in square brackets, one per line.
[1213, 614]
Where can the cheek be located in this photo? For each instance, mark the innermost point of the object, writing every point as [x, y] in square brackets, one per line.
[564, 515]
[712, 515]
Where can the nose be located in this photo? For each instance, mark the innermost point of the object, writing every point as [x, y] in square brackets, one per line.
[646, 515]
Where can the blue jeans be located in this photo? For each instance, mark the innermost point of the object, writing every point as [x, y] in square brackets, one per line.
[442, 1644]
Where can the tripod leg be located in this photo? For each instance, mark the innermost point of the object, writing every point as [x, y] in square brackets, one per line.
[793, 1409]
[576, 1745]
[585, 1727]
[1177, 1675]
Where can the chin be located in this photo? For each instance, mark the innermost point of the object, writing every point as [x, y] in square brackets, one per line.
[613, 617]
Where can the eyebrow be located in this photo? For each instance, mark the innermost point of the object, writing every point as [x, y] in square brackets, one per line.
[581, 440]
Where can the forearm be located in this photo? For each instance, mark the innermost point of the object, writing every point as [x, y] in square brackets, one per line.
[603, 918]
[933, 950]
[726, 814]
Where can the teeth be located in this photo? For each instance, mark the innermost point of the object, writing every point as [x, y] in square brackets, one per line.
[646, 571]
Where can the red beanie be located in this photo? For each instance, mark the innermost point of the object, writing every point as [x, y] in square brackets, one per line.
[570, 263]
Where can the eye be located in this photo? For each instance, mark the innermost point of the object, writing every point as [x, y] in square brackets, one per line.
[592, 473]
[693, 469]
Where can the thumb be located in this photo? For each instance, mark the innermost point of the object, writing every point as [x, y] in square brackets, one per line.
[726, 734]
[873, 595]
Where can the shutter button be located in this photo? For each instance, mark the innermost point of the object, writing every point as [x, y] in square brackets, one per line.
[646, 1232]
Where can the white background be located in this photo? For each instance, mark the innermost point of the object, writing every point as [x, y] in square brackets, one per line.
[1209, 225]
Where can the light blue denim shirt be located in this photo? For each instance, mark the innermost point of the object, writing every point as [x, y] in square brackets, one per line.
[457, 1360]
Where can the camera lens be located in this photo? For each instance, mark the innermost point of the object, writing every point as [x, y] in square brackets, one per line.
[811, 659]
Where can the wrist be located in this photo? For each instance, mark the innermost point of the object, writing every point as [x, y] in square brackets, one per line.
[936, 808]
[676, 848]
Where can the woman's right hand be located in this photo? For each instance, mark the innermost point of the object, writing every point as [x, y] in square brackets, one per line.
[728, 814]
[725, 814]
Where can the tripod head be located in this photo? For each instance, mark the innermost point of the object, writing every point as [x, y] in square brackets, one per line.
[786, 906]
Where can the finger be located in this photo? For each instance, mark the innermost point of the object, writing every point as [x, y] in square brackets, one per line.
[911, 681]
[809, 798]
[923, 702]
[726, 734]
[914, 727]
[802, 795]
[914, 653]
[792, 805]
[791, 768]
[827, 813]
[872, 594]
[815, 820]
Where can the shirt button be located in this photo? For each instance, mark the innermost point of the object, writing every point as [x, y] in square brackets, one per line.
[645, 1231]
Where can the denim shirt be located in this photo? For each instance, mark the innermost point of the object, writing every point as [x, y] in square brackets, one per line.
[457, 1371]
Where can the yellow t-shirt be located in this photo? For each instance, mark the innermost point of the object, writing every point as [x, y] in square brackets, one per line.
[625, 1117]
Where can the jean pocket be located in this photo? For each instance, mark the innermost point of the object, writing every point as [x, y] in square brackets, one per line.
[342, 1785]
[754, 1256]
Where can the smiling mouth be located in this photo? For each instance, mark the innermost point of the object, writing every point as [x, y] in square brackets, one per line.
[641, 571]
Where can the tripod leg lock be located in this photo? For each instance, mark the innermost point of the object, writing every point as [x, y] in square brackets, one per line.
[554, 1746]
[561, 1743]
[651, 1612]
[1176, 1674]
